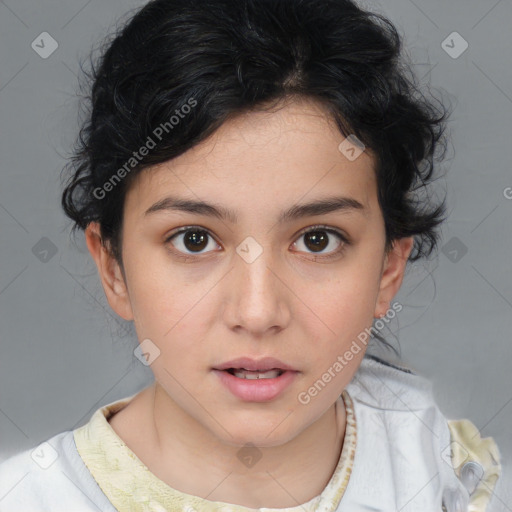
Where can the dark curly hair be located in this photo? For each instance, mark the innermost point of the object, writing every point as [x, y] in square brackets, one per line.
[221, 58]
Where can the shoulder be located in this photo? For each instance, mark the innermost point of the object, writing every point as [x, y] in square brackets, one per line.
[51, 476]
[402, 432]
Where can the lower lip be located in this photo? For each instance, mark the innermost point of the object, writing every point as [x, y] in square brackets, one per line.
[256, 390]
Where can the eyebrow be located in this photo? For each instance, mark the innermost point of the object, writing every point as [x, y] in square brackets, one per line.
[314, 208]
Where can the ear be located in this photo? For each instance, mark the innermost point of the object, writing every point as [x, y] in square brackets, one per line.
[393, 271]
[110, 273]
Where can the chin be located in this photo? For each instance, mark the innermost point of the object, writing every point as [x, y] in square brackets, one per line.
[263, 436]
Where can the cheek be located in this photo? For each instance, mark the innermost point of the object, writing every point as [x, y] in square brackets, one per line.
[159, 290]
[170, 308]
[173, 318]
[338, 329]
[344, 305]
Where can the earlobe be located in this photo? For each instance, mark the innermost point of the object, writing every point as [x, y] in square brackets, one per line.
[392, 274]
[110, 273]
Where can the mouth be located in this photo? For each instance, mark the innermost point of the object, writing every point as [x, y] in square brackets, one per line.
[256, 380]
[247, 367]
[262, 385]
[242, 373]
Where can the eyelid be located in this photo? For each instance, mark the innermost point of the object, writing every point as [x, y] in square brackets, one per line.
[330, 229]
[193, 227]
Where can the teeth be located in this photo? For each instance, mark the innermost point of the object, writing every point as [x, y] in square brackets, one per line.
[247, 374]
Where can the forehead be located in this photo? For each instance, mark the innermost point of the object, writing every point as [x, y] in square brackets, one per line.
[260, 159]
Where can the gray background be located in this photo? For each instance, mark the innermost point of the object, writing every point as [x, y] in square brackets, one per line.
[64, 353]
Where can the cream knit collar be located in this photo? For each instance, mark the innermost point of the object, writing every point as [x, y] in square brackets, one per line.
[129, 484]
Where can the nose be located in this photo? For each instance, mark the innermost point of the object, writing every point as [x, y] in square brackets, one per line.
[257, 295]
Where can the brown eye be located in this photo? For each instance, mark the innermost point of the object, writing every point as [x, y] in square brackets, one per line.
[191, 239]
[318, 239]
[195, 240]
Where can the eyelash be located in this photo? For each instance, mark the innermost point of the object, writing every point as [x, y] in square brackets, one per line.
[321, 227]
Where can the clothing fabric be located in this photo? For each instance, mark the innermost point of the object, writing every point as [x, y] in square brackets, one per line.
[127, 482]
[399, 453]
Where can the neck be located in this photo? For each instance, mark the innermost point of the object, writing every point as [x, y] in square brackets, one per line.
[188, 457]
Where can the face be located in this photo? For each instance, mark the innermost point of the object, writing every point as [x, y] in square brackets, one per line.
[252, 281]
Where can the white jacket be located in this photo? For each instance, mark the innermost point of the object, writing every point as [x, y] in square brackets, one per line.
[408, 458]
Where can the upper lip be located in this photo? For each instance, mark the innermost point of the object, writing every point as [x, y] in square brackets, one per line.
[265, 364]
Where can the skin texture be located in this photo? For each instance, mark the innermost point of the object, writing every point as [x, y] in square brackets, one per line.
[291, 303]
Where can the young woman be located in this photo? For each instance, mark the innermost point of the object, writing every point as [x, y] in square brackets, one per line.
[250, 182]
